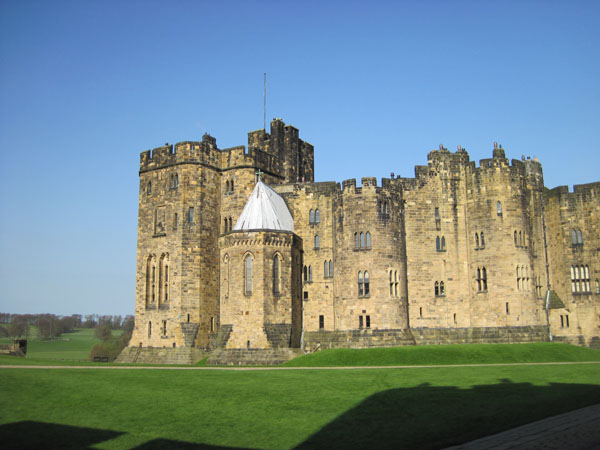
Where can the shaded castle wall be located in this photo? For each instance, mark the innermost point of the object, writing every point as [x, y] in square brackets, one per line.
[565, 212]
[188, 249]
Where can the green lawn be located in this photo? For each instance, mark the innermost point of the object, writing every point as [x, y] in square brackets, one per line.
[345, 409]
[448, 354]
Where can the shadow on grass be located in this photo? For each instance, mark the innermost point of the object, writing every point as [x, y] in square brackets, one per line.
[424, 417]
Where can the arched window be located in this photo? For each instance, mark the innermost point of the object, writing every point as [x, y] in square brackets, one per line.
[230, 225]
[438, 244]
[484, 278]
[356, 242]
[520, 239]
[310, 273]
[311, 216]
[316, 241]
[153, 281]
[149, 280]
[149, 188]
[305, 274]
[396, 283]
[385, 207]
[325, 269]
[225, 228]
[368, 237]
[437, 289]
[248, 275]
[276, 275]
[476, 240]
[442, 289]
[149, 329]
[482, 240]
[360, 284]
[191, 215]
[586, 278]
[597, 286]
[499, 208]
[573, 279]
[226, 277]
[379, 206]
[579, 237]
[227, 186]
[391, 284]
[176, 181]
[574, 237]
[317, 216]
[330, 268]
[362, 240]
[366, 283]
[516, 241]
[166, 278]
[443, 243]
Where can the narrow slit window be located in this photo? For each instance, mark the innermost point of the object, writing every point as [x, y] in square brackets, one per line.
[276, 277]
[248, 274]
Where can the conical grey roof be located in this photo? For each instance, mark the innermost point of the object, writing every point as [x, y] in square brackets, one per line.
[265, 210]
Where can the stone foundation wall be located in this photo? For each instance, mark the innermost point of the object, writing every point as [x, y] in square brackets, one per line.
[423, 336]
[252, 357]
[150, 355]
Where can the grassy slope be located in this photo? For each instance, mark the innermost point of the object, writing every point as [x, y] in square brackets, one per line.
[448, 354]
[350, 409]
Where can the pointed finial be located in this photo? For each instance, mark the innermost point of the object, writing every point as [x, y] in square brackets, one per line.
[258, 174]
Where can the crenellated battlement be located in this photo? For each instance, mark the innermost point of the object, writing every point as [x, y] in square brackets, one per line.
[280, 154]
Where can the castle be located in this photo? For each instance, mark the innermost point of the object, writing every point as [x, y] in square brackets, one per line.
[241, 255]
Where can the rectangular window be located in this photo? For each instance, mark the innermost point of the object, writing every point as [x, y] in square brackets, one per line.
[360, 321]
[175, 221]
[164, 327]
[191, 215]
[562, 321]
[368, 321]
[321, 322]
[507, 308]
[567, 320]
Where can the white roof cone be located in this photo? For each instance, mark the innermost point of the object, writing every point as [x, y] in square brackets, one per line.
[265, 210]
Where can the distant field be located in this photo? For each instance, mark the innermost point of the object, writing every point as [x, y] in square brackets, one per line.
[413, 408]
[448, 354]
[74, 346]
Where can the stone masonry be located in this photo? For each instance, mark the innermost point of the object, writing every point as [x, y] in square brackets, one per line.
[462, 252]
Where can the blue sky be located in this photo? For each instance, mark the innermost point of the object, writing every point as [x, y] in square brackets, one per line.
[86, 86]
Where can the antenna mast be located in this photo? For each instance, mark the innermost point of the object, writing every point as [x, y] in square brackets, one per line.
[265, 102]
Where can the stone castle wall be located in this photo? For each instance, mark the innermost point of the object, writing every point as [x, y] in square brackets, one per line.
[566, 213]
[458, 247]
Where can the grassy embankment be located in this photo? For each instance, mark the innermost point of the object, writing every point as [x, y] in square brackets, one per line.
[423, 408]
[448, 354]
